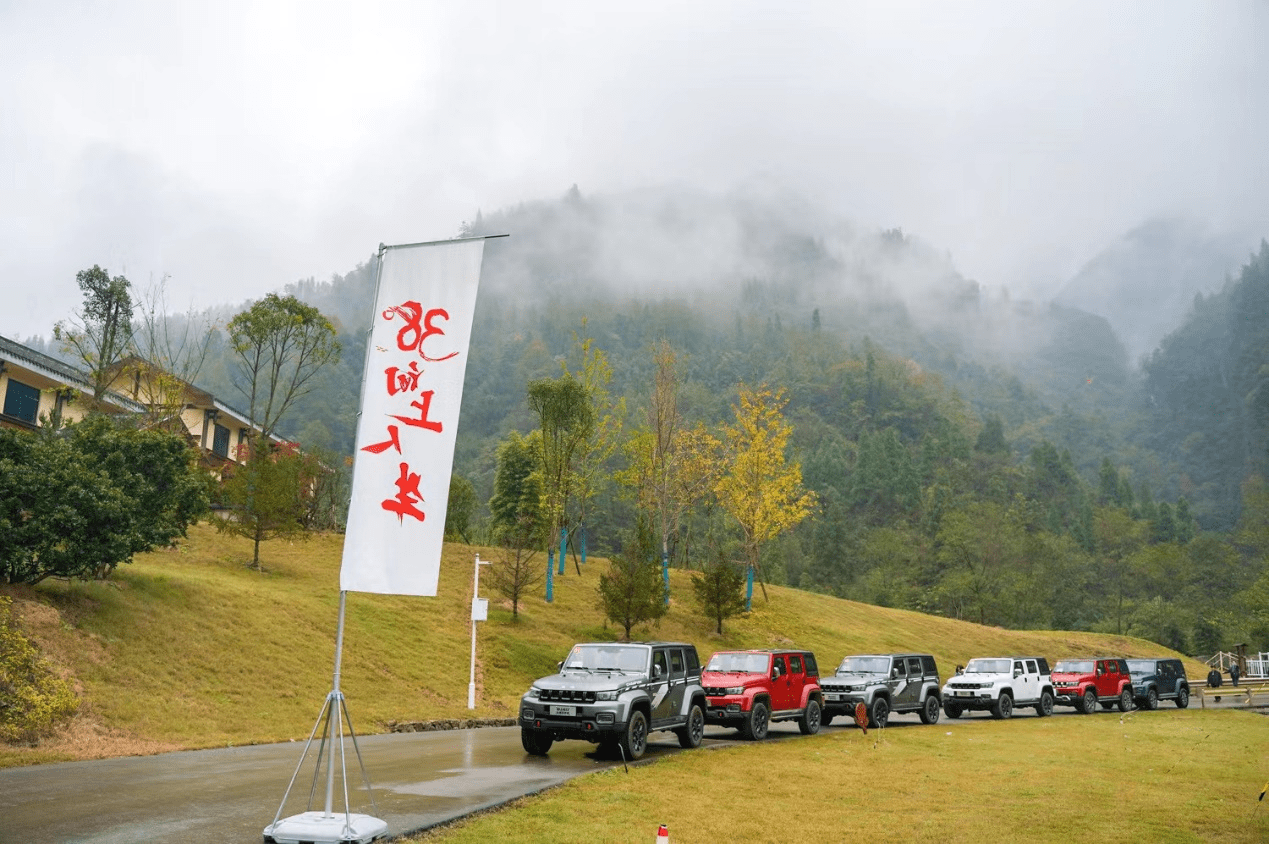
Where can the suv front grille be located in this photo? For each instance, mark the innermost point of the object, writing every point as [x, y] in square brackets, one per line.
[715, 691]
[568, 695]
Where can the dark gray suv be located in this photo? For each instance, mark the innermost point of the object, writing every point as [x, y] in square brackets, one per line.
[883, 683]
[615, 693]
[1154, 680]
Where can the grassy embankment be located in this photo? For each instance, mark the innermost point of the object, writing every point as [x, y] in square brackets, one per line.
[188, 648]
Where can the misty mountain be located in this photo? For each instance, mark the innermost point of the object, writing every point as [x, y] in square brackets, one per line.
[774, 256]
[1206, 391]
[1145, 282]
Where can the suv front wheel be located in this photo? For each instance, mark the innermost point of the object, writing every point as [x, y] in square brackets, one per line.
[1152, 698]
[755, 726]
[534, 742]
[1089, 702]
[635, 739]
[880, 713]
[1003, 707]
[690, 734]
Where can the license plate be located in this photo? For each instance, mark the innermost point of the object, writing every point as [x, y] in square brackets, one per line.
[563, 710]
[833, 697]
[964, 694]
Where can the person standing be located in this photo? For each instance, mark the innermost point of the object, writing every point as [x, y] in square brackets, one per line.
[1233, 672]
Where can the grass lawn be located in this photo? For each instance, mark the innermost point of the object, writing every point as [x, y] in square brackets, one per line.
[1165, 776]
[190, 648]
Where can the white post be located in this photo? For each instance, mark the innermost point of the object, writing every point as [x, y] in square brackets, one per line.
[475, 598]
[336, 730]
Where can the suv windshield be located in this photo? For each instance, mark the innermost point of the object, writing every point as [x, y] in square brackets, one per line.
[989, 666]
[1141, 666]
[864, 665]
[738, 663]
[608, 658]
[1073, 666]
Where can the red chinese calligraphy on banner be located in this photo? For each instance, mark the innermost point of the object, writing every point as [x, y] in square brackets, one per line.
[405, 502]
[409, 415]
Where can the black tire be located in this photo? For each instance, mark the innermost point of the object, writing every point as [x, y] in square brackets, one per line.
[1045, 707]
[930, 712]
[691, 733]
[1125, 699]
[535, 742]
[756, 725]
[826, 718]
[635, 739]
[1003, 707]
[1182, 697]
[1152, 698]
[1088, 703]
[952, 710]
[809, 723]
[879, 714]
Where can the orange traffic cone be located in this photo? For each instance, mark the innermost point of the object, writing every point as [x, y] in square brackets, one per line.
[663, 835]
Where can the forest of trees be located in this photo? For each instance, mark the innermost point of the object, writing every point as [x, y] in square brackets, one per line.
[968, 456]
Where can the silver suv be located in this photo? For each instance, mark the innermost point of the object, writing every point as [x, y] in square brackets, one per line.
[615, 693]
[883, 683]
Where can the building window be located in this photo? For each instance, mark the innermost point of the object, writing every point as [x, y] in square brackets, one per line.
[22, 402]
[220, 441]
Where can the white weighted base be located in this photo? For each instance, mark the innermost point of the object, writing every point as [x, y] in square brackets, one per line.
[321, 828]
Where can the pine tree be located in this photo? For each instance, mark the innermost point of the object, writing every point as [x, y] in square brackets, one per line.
[718, 591]
[632, 591]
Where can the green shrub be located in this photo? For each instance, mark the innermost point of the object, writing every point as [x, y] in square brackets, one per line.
[33, 700]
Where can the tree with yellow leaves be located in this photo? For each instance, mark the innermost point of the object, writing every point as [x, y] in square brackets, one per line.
[671, 467]
[758, 487]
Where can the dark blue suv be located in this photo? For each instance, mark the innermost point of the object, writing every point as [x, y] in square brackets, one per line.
[1154, 680]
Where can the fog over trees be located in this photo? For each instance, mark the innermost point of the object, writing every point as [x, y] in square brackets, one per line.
[970, 453]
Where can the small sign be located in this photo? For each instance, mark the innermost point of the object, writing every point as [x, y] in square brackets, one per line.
[479, 609]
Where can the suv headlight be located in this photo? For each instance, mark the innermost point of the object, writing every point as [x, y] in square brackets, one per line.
[734, 690]
[610, 695]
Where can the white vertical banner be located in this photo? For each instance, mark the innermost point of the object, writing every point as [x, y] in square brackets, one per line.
[411, 394]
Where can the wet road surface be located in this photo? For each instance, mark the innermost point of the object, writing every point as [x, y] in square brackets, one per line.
[230, 795]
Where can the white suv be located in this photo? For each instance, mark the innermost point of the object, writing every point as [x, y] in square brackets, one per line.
[999, 684]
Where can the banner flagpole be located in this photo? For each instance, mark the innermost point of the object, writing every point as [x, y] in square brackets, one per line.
[416, 351]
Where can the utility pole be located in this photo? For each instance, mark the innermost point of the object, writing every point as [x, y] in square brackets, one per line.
[479, 612]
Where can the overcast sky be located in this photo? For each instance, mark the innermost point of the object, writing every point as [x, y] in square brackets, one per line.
[236, 147]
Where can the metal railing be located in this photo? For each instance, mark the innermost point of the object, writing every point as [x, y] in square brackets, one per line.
[1254, 694]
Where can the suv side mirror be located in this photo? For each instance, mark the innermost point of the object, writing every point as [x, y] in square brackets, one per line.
[656, 672]
[1017, 672]
[559, 666]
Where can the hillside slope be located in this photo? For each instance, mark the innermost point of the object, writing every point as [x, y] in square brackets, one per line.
[188, 648]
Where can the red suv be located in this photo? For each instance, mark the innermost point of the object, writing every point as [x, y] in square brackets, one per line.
[748, 690]
[1084, 683]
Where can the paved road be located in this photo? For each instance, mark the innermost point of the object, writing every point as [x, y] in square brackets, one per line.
[230, 795]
